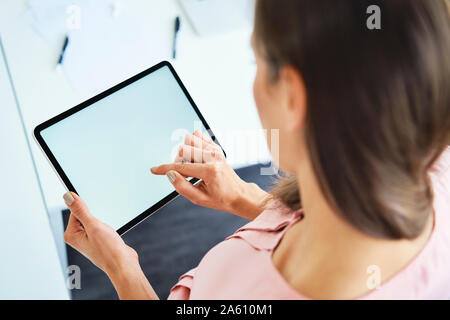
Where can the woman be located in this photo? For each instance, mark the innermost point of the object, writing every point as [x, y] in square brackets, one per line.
[364, 127]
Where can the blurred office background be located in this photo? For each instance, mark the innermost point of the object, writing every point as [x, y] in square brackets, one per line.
[110, 41]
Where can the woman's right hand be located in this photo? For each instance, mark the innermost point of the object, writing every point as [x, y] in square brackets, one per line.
[220, 187]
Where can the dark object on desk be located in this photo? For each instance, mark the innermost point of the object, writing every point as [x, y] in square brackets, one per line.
[63, 51]
[175, 36]
[169, 243]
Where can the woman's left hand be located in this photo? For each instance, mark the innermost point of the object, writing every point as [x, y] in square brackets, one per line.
[97, 241]
[105, 248]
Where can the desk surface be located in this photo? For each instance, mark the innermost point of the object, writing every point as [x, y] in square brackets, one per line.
[29, 267]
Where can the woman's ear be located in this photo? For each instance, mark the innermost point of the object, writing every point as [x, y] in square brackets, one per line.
[295, 92]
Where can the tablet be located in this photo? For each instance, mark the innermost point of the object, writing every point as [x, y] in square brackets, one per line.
[103, 148]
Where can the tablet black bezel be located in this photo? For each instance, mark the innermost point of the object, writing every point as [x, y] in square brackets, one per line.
[37, 134]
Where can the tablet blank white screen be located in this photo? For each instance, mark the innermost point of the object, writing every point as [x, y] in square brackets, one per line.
[107, 149]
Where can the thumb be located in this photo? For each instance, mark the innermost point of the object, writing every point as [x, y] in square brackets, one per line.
[185, 188]
[78, 208]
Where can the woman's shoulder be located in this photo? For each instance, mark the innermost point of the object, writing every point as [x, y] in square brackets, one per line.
[427, 276]
[440, 172]
[440, 179]
[273, 218]
[266, 230]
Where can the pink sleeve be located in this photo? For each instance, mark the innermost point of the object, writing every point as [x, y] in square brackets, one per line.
[179, 293]
[182, 290]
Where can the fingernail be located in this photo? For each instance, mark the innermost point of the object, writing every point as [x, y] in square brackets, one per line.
[68, 198]
[171, 176]
[153, 169]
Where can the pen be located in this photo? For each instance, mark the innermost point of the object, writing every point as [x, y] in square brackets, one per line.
[177, 29]
[61, 56]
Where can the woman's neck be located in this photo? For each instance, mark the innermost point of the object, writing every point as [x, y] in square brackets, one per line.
[325, 257]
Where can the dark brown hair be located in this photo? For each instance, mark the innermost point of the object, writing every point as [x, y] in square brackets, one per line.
[378, 110]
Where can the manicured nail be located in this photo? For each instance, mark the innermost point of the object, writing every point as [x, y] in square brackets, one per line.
[171, 176]
[153, 169]
[68, 198]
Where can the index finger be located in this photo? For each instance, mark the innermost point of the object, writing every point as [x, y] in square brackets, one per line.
[196, 170]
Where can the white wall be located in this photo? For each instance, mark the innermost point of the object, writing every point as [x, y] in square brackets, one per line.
[29, 265]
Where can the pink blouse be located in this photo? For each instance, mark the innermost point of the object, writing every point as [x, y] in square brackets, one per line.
[240, 267]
